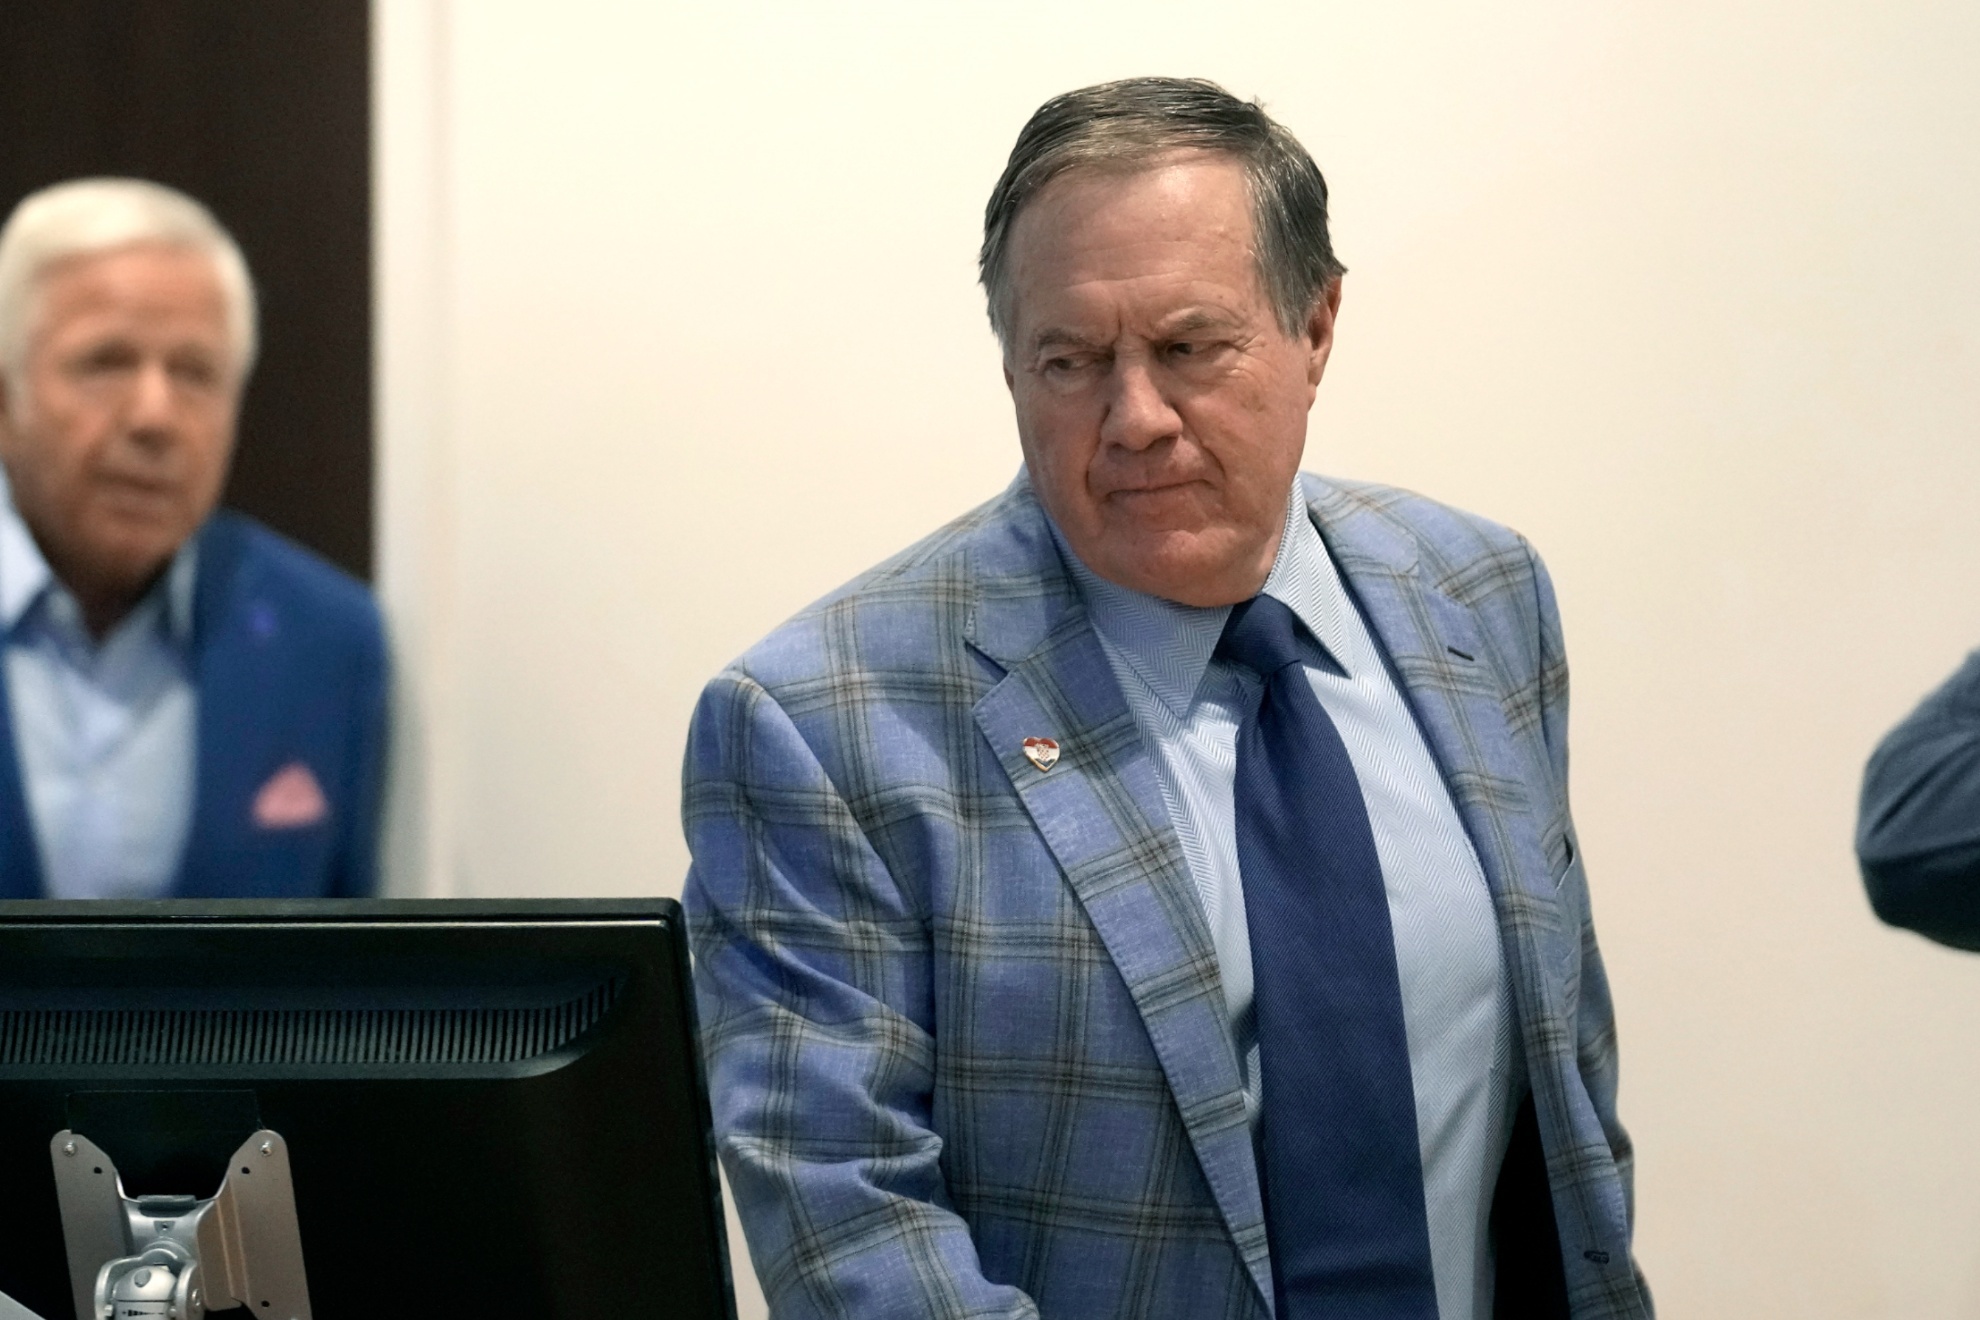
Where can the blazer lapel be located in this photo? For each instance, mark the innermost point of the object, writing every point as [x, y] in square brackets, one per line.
[235, 691]
[1458, 699]
[20, 858]
[1100, 810]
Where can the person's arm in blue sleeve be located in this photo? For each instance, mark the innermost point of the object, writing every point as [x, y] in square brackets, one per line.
[1918, 828]
[814, 983]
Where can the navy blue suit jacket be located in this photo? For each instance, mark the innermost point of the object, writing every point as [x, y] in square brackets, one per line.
[288, 658]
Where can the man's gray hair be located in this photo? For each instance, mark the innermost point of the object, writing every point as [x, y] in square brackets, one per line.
[1128, 125]
[85, 217]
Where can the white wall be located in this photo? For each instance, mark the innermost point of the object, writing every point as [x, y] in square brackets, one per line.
[679, 331]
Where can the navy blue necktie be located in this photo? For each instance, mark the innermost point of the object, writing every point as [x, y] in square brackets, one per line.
[1338, 1154]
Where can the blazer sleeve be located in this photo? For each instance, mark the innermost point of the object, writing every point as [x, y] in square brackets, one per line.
[1918, 825]
[814, 982]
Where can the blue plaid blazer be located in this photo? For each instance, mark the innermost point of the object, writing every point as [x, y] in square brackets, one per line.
[966, 1041]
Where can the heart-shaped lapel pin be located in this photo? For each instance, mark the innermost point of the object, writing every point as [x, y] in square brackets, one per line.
[1041, 752]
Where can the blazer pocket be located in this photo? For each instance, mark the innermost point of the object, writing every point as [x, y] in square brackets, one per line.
[1571, 900]
[290, 799]
[1562, 855]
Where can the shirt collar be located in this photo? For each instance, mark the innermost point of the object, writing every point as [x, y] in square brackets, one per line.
[25, 575]
[1170, 645]
[180, 577]
[1304, 579]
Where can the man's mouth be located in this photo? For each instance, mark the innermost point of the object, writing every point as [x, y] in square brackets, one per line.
[1153, 489]
[136, 494]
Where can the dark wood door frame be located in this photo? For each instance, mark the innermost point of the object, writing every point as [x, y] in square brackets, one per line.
[263, 111]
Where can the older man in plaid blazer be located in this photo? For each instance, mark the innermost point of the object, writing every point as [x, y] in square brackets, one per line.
[999, 851]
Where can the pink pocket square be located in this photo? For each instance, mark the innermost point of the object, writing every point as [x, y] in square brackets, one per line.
[290, 799]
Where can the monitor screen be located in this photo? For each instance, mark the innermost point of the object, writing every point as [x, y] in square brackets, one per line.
[476, 1109]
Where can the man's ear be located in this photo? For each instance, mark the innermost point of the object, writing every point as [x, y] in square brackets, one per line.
[1320, 330]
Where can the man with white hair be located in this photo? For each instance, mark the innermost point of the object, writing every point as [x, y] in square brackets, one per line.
[190, 705]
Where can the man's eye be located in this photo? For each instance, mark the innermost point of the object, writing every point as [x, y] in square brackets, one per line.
[108, 358]
[1194, 348]
[195, 372]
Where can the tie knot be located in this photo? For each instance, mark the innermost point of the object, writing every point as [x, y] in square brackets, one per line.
[1262, 634]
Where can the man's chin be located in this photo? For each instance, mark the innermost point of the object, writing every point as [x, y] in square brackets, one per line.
[131, 550]
[1201, 567]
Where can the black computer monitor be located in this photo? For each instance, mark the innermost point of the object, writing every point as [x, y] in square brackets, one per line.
[483, 1108]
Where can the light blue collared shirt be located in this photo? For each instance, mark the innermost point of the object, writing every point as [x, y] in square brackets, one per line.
[1457, 1008]
[104, 732]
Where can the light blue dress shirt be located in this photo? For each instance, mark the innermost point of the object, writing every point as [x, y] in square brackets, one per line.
[1465, 1063]
[104, 732]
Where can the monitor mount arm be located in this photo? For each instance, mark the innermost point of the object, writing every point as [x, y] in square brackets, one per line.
[178, 1257]
[13, 1310]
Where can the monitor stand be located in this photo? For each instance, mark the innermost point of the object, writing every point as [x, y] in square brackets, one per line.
[178, 1257]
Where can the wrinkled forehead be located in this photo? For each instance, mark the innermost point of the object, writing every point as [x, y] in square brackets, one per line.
[156, 289]
[150, 274]
[1181, 221]
[1090, 191]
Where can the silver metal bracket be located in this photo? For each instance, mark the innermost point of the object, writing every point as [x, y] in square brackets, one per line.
[13, 1310]
[178, 1257]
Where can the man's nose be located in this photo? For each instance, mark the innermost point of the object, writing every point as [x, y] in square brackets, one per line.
[1139, 414]
[153, 407]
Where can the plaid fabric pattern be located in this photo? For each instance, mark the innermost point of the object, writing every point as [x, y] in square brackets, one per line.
[967, 1043]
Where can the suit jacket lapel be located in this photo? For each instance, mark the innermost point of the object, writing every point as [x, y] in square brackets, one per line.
[20, 858]
[235, 692]
[1458, 699]
[1101, 812]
